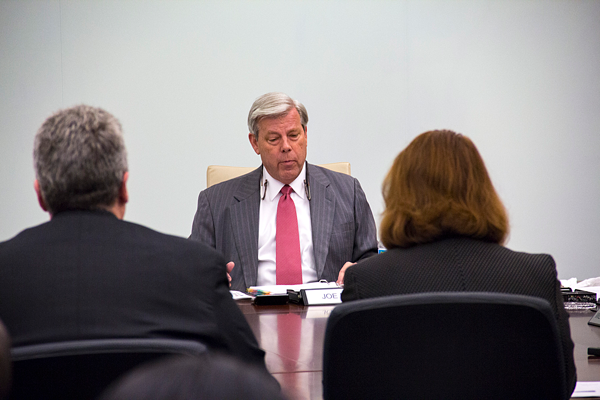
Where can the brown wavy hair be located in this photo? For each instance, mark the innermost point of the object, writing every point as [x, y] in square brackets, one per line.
[437, 187]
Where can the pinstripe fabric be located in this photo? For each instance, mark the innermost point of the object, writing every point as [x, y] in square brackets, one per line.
[343, 227]
[462, 264]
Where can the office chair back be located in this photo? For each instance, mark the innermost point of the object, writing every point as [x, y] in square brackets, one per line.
[5, 361]
[220, 173]
[83, 369]
[444, 346]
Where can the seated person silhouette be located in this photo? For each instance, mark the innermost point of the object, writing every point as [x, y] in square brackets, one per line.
[88, 274]
[214, 377]
[444, 227]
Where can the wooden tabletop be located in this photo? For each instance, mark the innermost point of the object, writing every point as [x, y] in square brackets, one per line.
[584, 336]
[292, 336]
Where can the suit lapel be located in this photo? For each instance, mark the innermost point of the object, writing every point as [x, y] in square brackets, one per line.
[322, 207]
[244, 224]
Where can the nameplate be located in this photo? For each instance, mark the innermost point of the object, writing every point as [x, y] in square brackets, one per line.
[313, 297]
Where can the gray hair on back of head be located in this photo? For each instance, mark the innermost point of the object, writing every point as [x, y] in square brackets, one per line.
[274, 105]
[80, 159]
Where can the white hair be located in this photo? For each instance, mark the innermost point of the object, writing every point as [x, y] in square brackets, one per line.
[274, 105]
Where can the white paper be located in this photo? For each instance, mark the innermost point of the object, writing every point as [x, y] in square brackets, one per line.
[590, 285]
[237, 295]
[587, 389]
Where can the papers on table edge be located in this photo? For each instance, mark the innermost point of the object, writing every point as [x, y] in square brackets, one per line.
[590, 285]
[237, 295]
[586, 389]
[282, 289]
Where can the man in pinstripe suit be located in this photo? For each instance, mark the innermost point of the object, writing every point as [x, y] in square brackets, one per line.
[238, 217]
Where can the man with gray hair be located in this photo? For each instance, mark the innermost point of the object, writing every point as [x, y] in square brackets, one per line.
[87, 274]
[288, 221]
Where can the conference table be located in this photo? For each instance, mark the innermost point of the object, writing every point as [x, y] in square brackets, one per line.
[292, 337]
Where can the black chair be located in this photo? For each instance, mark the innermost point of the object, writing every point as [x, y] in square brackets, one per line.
[82, 369]
[5, 362]
[444, 346]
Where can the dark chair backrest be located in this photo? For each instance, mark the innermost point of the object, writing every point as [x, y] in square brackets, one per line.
[5, 363]
[82, 369]
[444, 346]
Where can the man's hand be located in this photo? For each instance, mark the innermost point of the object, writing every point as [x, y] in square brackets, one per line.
[340, 280]
[230, 266]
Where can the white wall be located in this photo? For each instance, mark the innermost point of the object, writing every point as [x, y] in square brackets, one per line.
[521, 78]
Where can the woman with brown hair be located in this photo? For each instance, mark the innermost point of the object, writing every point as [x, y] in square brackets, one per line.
[444, 227]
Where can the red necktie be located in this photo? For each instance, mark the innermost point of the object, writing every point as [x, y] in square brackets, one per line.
[287, 241]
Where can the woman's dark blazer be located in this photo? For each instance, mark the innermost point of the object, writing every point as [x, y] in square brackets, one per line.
[460, 264]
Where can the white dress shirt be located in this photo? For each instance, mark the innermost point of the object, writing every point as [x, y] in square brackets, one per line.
[267, 228]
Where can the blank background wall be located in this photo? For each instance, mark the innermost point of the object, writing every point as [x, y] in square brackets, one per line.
[521, 78]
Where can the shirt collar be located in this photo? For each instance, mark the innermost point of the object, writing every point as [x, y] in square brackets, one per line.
[274, 186]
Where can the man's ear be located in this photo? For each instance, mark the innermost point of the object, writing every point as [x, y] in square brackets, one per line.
[41, 201]
[123, 194]
[254, 142]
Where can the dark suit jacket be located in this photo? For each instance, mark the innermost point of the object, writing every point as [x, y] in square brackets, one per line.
[89, 275]
[463, 265]
[343, 228]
